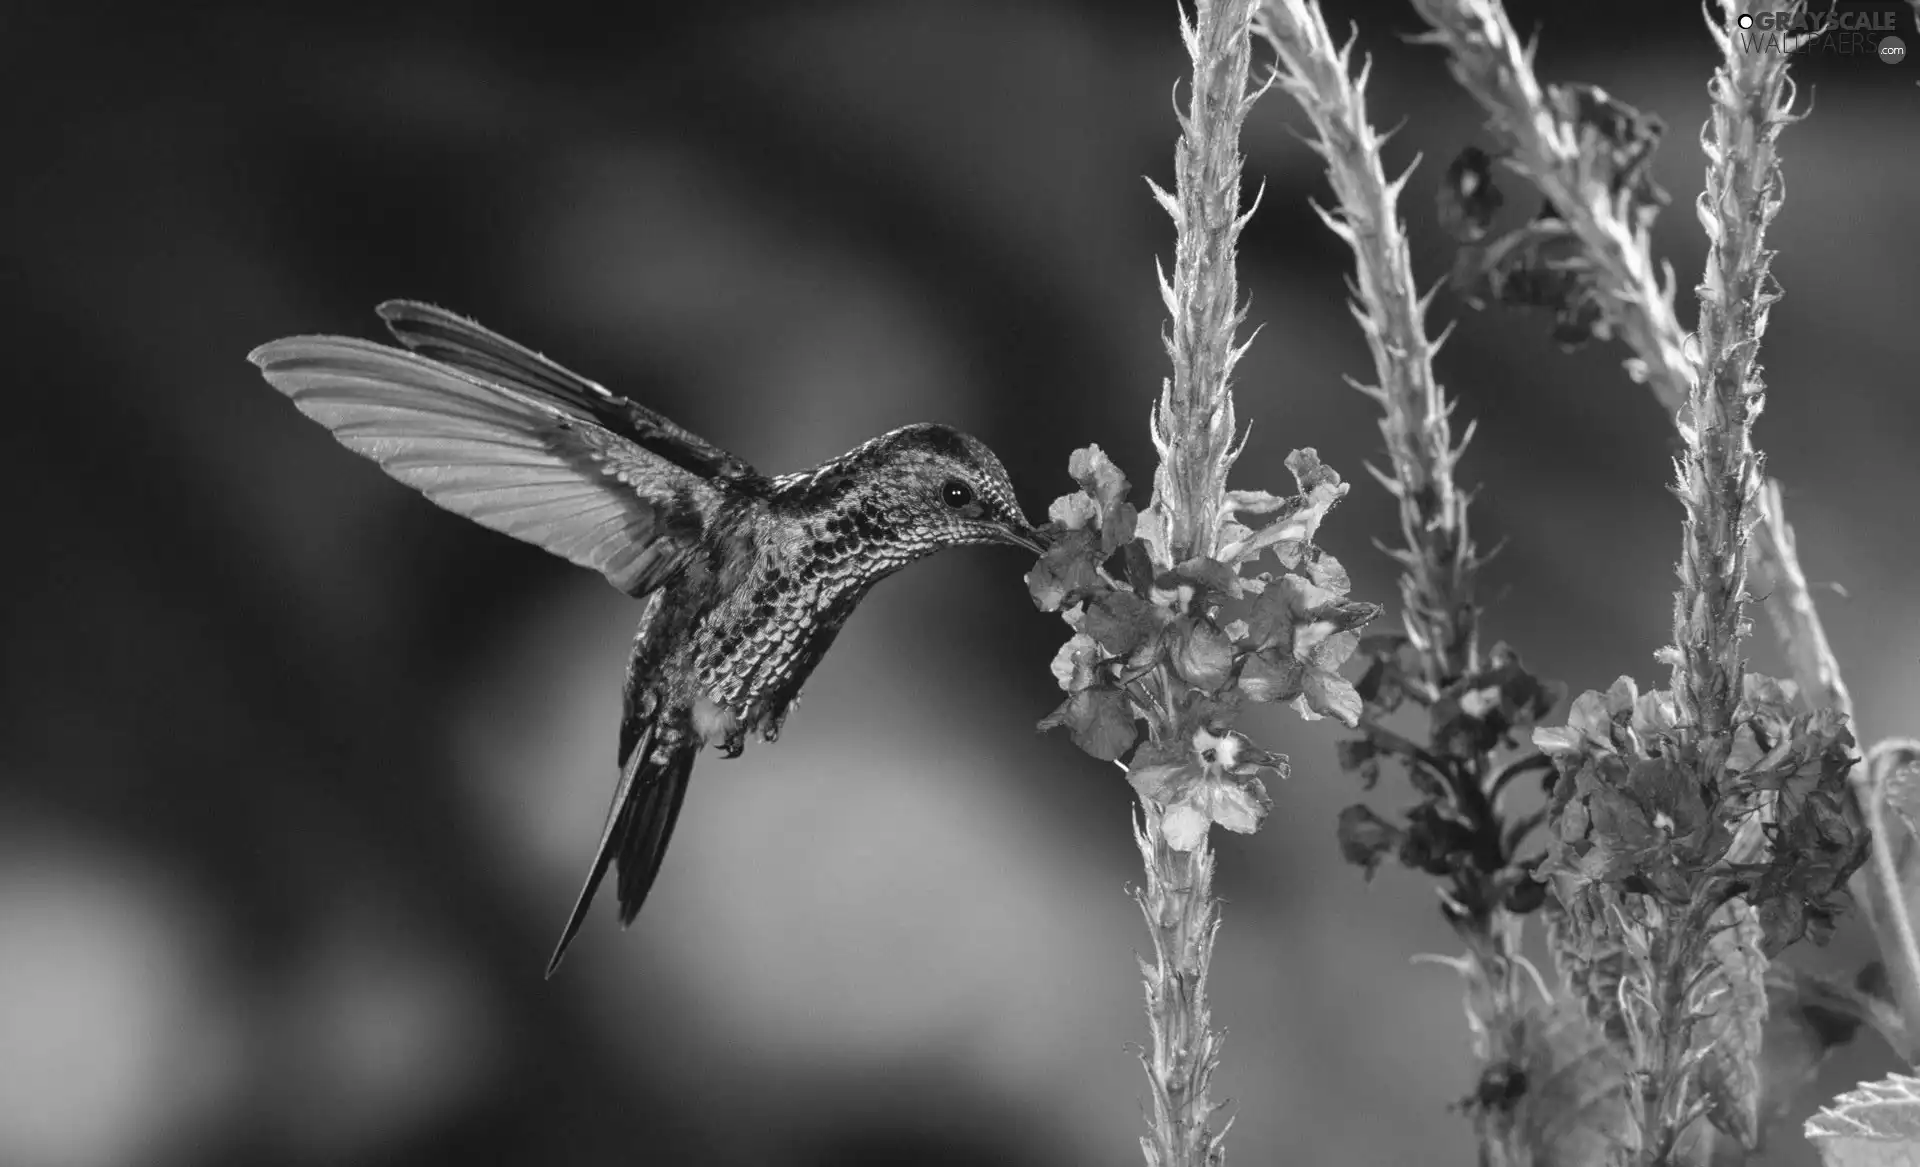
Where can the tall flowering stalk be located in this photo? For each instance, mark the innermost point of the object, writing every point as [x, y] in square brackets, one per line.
[1592, 258]
[1719, 485]
[1468, 760]
[1169, 631]
[1696, 831]
[1720, 480]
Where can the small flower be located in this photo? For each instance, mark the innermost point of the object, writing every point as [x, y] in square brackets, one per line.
[1300, 633]
[1623, 813]
[1102, 484]
[1205, 779]
[1290, 534]
[1480, 713]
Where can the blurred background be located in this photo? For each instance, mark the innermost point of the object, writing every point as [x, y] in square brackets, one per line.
[299, 775]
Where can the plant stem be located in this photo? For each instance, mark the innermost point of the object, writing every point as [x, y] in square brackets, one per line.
[1193, 426]
[1182, 918]
[1193, 431]
[1720, 484]
[1439, 562]
[1720, 487]
[1437, 556]
[1486, 57]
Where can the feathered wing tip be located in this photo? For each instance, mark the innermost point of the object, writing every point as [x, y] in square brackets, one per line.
[646, 804]
[468, 346]
[506, 456]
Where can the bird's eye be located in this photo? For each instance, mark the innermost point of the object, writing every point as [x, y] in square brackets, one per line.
[956, 493]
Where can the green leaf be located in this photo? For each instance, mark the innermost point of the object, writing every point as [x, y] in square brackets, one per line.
[1877, 1125]
[1099, 720]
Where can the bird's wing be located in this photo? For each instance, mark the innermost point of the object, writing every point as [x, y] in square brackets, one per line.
[502, 457]
[454, 340]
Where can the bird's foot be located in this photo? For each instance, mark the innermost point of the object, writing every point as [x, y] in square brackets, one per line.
[719, 726]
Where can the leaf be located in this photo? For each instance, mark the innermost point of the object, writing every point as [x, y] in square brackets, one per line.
[1877, 1125]
[1099, 720]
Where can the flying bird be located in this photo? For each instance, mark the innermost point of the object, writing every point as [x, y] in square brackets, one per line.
[744, 579]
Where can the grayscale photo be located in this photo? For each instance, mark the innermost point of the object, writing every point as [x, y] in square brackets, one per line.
[961, 583]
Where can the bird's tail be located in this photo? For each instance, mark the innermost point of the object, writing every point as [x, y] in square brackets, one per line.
[653, 784]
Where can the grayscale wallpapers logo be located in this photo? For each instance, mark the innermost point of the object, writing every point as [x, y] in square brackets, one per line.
[1847, 34]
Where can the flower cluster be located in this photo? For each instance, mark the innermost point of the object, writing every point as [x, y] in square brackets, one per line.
[1630, 809]
[1147, 630]
[1456, 829]
[1543, 263]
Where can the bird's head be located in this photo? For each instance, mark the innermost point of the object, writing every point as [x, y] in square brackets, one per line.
[924, 487]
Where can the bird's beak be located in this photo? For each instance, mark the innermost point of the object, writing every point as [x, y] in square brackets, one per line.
[1025, 537]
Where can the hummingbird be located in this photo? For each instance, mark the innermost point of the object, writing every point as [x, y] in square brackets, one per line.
[744, 580]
